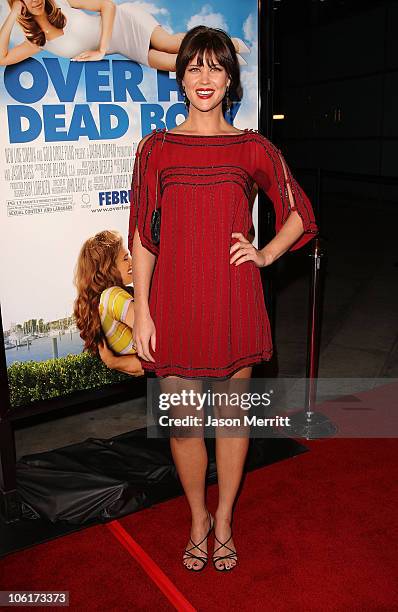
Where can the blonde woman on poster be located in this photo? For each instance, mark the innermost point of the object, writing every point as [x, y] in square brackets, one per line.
[63, 28]
[104, 308]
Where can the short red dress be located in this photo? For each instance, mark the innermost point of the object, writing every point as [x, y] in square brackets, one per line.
[210, 315]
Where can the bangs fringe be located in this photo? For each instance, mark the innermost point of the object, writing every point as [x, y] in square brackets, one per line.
[207, 46]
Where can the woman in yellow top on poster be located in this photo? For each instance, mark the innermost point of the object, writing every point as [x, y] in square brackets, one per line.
[104, 309]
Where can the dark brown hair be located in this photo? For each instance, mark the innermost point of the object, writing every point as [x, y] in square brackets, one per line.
[31, 28]
[201, 39]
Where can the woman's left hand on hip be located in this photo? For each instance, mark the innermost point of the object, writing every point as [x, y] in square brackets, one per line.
[243, 250]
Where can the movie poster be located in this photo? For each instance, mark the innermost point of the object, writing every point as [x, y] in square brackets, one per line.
[71, 119]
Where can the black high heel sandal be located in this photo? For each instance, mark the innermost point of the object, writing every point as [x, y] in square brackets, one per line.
[232, 555]
[189, 555]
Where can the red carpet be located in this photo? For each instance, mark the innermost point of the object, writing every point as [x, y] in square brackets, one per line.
[316, 532]
[98, 573]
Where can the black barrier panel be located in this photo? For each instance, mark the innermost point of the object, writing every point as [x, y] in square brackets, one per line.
[101, 479]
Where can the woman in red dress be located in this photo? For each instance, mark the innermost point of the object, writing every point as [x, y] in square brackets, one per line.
[199, 305]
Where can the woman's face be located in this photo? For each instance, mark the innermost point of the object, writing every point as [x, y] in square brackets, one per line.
[124, 265]
[35, 7]
[205, 85]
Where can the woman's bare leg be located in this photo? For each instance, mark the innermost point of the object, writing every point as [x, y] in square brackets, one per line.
[190, 458]
[163, 41]
[160, 60]
[230, 457]
[164, 48]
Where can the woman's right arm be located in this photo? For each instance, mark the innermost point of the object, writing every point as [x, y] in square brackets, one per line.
[20, 52]
[128, 364]
[144, 331]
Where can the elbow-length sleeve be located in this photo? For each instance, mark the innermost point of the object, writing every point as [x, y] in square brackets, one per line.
[142, 195]
[273, 176]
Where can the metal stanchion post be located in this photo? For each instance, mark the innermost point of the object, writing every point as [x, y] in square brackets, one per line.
[311, 424]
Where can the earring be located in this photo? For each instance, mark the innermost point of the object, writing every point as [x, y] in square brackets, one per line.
[186, 101]
[228, 101]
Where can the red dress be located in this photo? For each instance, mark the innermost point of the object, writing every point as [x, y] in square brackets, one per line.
[210, 315]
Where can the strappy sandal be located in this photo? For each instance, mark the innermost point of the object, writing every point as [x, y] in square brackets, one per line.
[232, 555]
[189, 555]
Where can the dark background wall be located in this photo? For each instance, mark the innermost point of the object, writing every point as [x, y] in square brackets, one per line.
[336, 81]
